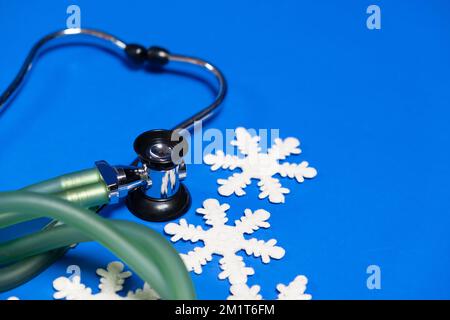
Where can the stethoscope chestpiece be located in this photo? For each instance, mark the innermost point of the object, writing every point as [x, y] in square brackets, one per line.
[160, 153]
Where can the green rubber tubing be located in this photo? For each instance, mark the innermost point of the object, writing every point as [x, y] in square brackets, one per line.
[149, 254]
[72, 187]
[85, 187]
[18, 273]
[87, 197]
[14, 275]
[159, 265]
[67, 181]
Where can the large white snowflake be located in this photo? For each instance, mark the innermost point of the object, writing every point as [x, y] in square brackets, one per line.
[293, 291]
[225, 240]
[111, 282]
[261, 166]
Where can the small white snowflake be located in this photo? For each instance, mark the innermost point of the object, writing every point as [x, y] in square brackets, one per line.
[294, 291]
[261, 166]
[111, 282]
[225, 240]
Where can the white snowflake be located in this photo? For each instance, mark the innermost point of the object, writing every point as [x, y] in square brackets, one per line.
[111, 282]
[225, 240]
[294, 291]
[261, 166]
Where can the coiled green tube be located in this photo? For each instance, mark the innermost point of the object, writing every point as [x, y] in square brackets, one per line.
[15, 274]
[86, 187]
[66, 182]
[64, 186]
[62, 236]
[145, 251]
[151, 257]
[87, 197]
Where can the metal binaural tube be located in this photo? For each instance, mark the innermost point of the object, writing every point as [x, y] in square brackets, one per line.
[214, 107]
[104, 38]
[7, 95]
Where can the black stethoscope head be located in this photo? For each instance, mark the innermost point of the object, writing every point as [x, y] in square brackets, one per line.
[164, 197]
[160, 149]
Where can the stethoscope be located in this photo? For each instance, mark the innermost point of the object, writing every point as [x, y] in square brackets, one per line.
[151, 187]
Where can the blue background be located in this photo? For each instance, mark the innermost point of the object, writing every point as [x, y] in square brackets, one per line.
[371, 108]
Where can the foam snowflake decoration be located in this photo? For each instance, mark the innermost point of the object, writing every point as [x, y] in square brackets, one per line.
[261, 166]
[225, 240]
[294, 291]
[111, 282]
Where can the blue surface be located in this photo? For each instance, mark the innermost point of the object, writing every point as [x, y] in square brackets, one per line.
[370, 107]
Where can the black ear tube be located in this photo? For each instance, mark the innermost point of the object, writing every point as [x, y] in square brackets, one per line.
[161, 153]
